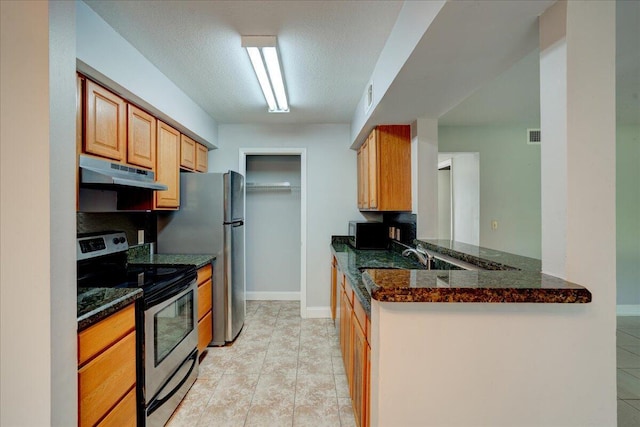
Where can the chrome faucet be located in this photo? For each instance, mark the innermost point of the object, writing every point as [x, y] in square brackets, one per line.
[421, 253]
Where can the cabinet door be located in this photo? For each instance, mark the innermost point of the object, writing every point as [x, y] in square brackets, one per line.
[187, 152]
[141, 140]
[372, 171]
[365, 174]
[167, 167]
[361, 179]
[202, 158]
[359, 371]
[106, 123]
[346, 313]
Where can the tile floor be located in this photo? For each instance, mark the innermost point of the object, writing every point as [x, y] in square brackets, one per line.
[281, 371]
[287, 371]
[628, 364]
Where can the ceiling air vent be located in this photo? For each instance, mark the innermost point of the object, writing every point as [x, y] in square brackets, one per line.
[533, 136]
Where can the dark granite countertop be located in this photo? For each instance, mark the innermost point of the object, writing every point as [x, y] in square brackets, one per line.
[198, 260]
[513, 278]
[486, 258]
[141, 254]
[95, 304]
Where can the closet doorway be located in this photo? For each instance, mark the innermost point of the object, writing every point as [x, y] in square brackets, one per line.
[275, 217]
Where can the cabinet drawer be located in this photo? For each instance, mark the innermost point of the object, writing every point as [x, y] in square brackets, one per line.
[204, 273]
[97, 337]
[205, 332]
[204, 298]
[361, 315]
[124, 414]
[106, 379]
[348, 290]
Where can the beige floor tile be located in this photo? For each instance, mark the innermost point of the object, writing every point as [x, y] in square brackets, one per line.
[320, 364]
[190, 409]
[280, 364]
[319, 414]
[338, 365]
[628, 416]
[345, 409]
[234, 389]
[246, 363]
[342, 386]
[269, 416]
[275, 390]
[224, 415]
[628, 385]
[312, 389]
[626, 359]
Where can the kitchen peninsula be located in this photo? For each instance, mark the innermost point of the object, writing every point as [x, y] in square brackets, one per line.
[455, 347]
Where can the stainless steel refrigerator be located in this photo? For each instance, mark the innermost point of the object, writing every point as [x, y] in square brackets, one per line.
[211, 221]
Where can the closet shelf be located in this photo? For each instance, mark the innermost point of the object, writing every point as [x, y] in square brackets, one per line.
[271, 186]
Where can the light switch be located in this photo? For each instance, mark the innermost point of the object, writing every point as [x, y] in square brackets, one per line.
[494, 224]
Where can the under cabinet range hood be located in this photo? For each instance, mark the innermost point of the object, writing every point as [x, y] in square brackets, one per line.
[99, 172]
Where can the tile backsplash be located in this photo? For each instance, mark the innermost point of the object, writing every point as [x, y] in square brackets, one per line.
[129, 222]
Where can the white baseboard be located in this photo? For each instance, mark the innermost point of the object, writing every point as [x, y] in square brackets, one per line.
[318, 312]
[273, 296]
[628, 310]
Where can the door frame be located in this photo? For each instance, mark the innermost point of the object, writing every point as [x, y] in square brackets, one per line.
[302, 152]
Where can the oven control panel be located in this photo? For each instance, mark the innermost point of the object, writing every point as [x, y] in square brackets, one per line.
[93, 245]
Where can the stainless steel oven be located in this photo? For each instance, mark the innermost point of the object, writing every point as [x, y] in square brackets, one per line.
[171, 356]
[167, 331]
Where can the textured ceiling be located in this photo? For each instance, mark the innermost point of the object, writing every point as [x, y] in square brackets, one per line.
[328, 49]
[476, 66]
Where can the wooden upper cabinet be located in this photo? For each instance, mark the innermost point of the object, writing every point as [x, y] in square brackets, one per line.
[384, 179]
[202, 158]
[372, 171]
[168, 167]
[105, 123]
[141, 141]
[187, 152]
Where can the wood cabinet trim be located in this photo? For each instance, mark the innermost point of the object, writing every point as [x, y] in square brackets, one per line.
[204, 298]
[205, 332]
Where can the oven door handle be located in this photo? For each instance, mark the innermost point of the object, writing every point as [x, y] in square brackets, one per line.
[163, 397]
[161, 296]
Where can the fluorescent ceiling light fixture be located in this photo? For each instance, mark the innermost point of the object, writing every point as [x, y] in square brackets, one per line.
[263, 53]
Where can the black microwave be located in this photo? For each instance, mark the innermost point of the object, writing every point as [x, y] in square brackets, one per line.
[368, 235]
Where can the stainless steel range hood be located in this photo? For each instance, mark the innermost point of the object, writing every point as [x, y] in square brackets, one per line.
[103, 173]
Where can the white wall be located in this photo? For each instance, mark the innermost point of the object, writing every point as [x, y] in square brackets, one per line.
[37, 345]
[465, 180]
[273, 229]
[413, 21]
[444, 204]
[628, 216]
[331, 185]
[509, 184]
[106, 56]
[62, 150]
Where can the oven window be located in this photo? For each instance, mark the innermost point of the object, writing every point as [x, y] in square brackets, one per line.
[172, 324]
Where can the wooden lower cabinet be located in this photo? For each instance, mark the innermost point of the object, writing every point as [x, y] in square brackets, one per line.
[107, 371]
[354, 345]
[205, 304]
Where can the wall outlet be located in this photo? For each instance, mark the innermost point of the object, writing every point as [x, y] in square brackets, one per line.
[494, 224]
